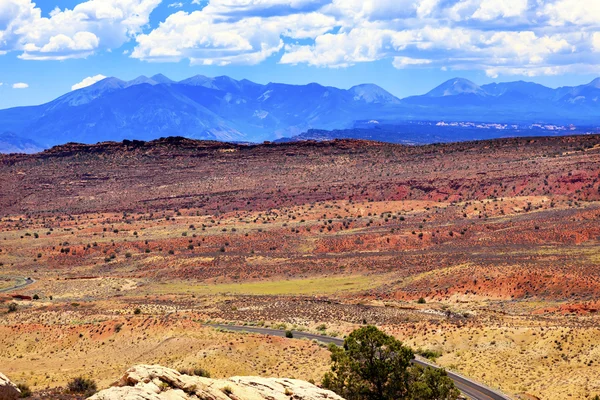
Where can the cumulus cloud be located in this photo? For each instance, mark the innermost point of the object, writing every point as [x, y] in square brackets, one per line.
[576, 12]
[70, 33]
[525, 37]
[404, 62]
[596, 41]
[493, 9]
[20, 85]
[496, 36]
[89, 81]
[204, 37]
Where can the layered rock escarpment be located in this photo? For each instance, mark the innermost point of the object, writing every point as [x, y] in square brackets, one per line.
[8, 390]
[153, 382]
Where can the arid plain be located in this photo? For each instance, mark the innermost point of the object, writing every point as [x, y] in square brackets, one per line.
[487, 254]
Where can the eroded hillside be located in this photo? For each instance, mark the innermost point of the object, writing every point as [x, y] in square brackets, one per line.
[482, 252]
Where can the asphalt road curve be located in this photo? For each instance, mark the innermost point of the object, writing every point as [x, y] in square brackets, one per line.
[474, 390]
[26, 282]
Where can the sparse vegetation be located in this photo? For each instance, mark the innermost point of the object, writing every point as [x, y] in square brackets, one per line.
[507, 258]
[196, 371]
[25, 390]
[374, 365]
[429, 354]
[82, 385]
[227, 390]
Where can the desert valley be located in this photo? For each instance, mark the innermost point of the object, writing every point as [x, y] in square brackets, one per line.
[482, 256]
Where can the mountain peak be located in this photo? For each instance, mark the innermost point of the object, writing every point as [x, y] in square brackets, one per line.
[141, 80]
[455, 87]
[196, 80]
[160, 78]
[372, 93]
[224, 78]
[110, 81]
[106, 84]
[519, 88]
[595, 83]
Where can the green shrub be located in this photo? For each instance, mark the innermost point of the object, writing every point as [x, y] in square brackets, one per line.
[82, 385]
[374, 365]
[227, 390]
[12, 307]
[196, 371]
[289, 334]
[25, 390]
[429, 354]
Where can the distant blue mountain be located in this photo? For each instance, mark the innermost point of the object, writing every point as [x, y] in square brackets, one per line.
[510, 102]
[11, 143]
[457, 87]
[223, 108]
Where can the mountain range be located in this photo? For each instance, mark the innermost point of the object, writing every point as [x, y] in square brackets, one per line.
[226, 109]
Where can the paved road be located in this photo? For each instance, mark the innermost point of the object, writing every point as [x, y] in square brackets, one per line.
[474, 390]
[26, 282]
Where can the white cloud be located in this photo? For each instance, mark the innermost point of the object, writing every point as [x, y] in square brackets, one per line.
[403, 62]
[20, 85]
[70, 33]
[532, 71]
[340, 50]
[596, 41]
[577, 12]
[61, 47]
[204, 38]
[496, 36]
[89, 81]
[493, 9]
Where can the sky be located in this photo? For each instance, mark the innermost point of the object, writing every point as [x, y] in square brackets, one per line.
[50, 47]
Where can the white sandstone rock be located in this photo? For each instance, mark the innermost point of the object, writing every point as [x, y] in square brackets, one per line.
[8, 390]
[153, 382]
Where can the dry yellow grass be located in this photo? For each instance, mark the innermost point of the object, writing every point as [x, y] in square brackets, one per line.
[501, 343]
[314, 286]
[98, 350]
[551, 363]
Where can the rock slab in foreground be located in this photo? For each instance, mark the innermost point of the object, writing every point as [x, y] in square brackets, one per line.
[8, 390]
[153, 382]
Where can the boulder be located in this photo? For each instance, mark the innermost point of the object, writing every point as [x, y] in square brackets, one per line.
[153, 382]
[8, 390]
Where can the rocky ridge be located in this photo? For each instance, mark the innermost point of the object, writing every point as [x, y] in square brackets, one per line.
[8, 390]
[153, 382]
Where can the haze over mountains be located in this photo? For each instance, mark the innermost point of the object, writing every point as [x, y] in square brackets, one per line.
[226, 109]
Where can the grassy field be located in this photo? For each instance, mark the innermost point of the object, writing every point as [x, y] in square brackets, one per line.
[100, 351]
[6, 282]
[313, 286]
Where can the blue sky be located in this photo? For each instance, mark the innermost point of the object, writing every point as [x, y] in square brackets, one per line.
[405, 46]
